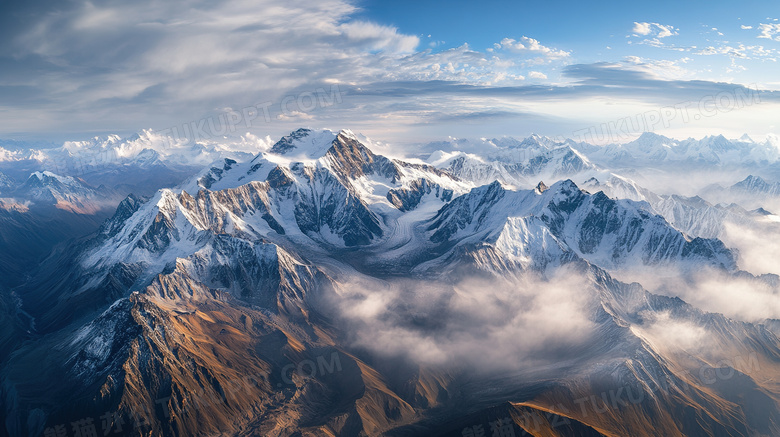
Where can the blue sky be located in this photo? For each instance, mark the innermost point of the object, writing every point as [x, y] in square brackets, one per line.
[400, 71]
[597, 32]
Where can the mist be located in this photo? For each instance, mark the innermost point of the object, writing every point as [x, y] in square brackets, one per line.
[485, 324]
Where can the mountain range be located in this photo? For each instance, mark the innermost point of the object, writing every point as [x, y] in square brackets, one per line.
[317, 287]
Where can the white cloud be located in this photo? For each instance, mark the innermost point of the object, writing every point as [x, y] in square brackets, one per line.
[655, 42]
[531, 46]
[295, 116]
[671, 334]
[126, 66]
[769, 31]
[537, 75]
[642, 28]
[742, 297]
[653, 29]
[740, 51]
[745, 27]
[662, 69]
[378, 37]
[136, 65]
[759, 247]
[486, 324]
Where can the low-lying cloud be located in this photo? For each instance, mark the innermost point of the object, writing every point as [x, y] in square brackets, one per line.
[758, 246]
[484, 324]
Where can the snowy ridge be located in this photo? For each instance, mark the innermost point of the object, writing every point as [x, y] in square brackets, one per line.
[653, 149]
[326, 189]
[609, 233]
[755, 185]
[518, 163]
[6, 183]
[693, 216]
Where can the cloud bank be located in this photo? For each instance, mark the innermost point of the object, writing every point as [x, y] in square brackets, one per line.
[112, 67]
[477, 323]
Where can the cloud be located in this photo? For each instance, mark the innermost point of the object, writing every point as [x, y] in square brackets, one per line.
[642, 28]
[740, 296]
[758, 245]
[480, 323]
[751, 295]
[743, 27]
[110, 67]
[769, 31]
[377, 37]
[653, 29]
[740, 51]
[126, 66]
[532, 46]
[671, 334]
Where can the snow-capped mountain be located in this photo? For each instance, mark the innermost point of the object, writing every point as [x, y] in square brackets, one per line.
[139, 164]
[64, 192]
[562, 218]
[321, 288]
[693, 216]
[651, 149]
[755, 185]
[518, 163]
[346, 197]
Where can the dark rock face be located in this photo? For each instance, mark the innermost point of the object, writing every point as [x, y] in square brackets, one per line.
[333, 206]
[407, 199]
[465, 210]
[160, 234]
[124, 211]
[286, 144]
[215, 174]
[350, 159]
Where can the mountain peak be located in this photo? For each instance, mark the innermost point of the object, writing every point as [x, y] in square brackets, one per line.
[541, 187]
[752, 180]
[566, 184]
[346, 133]
[538, 140]
[47, 177]
[307, 143]
[650, 139]
[651, 136]
[351, 158]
